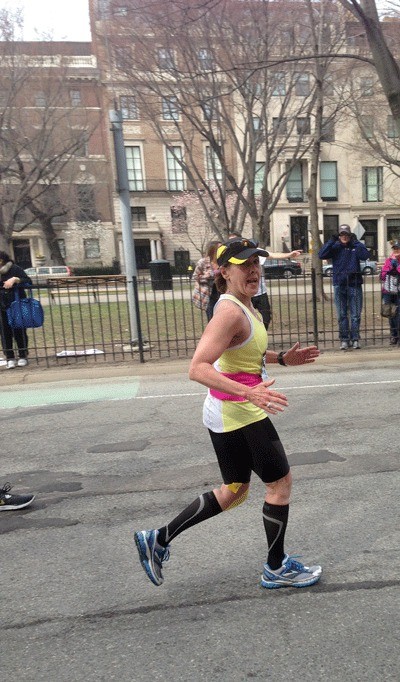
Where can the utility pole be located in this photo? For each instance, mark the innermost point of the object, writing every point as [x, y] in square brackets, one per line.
[126, 223]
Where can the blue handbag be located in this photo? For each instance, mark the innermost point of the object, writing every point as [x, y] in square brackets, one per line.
[24, 313]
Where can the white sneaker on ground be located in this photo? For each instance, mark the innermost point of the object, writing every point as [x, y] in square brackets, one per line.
[344, 345]
[11, 364]
[22, 362]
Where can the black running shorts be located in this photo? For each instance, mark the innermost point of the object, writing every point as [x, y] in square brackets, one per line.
[255, 447]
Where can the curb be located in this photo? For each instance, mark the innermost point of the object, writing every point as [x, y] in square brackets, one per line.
[109, 371]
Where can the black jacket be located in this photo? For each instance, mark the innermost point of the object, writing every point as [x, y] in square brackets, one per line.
[7, 296]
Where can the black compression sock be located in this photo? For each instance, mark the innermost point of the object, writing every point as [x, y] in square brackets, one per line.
[275, 519]
[204, 507]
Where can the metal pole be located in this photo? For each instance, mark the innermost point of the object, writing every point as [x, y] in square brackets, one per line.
[314, 305]
[126, 220]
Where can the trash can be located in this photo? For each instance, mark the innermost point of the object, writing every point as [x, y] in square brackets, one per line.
[160, 274]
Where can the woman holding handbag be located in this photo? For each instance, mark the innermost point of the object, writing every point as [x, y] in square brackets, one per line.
[12, 276]
[390, 277]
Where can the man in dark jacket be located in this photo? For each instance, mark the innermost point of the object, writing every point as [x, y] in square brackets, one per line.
[11, 276]
[346, 252]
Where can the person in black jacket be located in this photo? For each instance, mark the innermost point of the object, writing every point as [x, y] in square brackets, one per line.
[11, 276]
[346, 252]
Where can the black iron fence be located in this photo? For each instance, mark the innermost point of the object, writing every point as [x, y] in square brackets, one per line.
[87, 318]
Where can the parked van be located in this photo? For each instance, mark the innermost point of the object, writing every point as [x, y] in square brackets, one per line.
[42, 273]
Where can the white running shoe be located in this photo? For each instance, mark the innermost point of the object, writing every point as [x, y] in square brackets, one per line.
[22, 362]
[11, 364]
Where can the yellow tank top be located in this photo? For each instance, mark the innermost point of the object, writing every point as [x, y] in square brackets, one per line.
[221, 415]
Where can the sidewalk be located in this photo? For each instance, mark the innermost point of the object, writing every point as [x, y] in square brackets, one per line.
[110, 370]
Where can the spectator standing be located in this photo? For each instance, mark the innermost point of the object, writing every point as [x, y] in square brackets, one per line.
[203, 277]
[346, 252]
[390, 277]
[12, 276]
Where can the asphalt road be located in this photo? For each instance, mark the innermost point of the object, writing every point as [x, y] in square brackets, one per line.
[110, 455]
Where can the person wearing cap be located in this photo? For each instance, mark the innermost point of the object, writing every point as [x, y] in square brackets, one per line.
[346, 252]
[390, 276]
[237, 410]
[260, 300]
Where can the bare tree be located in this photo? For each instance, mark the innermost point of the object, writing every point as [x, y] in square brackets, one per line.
[386, 65]
[41, 138]
[210, 83]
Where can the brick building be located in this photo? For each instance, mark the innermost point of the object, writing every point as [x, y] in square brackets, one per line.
[354, 185]
[56, 183]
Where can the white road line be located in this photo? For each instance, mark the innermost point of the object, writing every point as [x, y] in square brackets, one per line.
[281, 388]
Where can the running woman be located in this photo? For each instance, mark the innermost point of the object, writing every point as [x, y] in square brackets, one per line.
[228, 360]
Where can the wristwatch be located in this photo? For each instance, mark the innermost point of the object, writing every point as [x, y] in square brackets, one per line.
[280, 358]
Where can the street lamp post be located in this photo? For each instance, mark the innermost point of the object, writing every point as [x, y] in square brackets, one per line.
[126, 224]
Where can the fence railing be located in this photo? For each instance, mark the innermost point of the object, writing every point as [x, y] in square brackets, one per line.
[87, 319]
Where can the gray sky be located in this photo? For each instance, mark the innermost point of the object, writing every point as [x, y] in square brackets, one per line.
[61, 19]
[65, 19]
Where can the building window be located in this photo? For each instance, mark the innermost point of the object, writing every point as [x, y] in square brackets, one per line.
[329, 88]
[278, 84]
[392, 131]
[256, 123]
[393, 228]
[122, 57]
[176, 179]
[166, 59]
[205, 60]
[366, 87]
[210, 109]
[279, 126]
[367, 126]
[134, 166]
[61, 246]
[138, 214]
[302, 84]
[40, 99]
[303, 34]
[82, 145]
[331, 226]
[103, 5]
[372, 178]
[91, 248]
[328, 181]
[178, 219]
[213, 166]
[303, 125]
[121, 11]
[294, 185]
[129, 108]
[182, 261]
[328, 130]
[259, 177]
[75, 98]
[86, 203]
[170, 109]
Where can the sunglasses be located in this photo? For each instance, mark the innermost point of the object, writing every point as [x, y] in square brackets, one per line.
[243, 242]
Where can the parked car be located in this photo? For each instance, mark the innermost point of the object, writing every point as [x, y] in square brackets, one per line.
[276, 267]
[42, 273]
[368, 267]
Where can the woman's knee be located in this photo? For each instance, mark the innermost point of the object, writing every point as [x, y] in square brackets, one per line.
[278, 492]
[231, 495]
